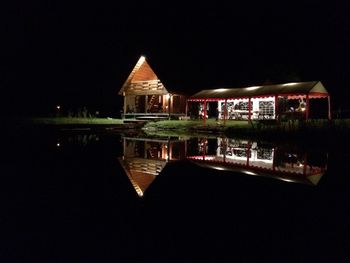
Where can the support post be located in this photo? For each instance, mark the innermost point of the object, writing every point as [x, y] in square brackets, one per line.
[204, 148]
[307, 112]
[274, 159]
[124, 108]
[146, 103]
[168, 150]
[124, 147]
[276, 107]
[205, 112]
[169, 106]
[249, 110]
[186, 107]
[225, 148]
[225, 112]
[329, 108]
[305, 165]
[248, 153]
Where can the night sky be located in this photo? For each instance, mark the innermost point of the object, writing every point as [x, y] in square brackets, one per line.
[79, 54]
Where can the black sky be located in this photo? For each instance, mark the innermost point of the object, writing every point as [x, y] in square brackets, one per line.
[76, 54]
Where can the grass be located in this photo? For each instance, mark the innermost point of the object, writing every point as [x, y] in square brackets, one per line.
[254, 128]
[186, 124]
[73, 121]
[232, 127]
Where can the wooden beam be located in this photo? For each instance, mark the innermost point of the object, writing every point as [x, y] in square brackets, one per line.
[276, 107]
[225, 112]
[124, 105]
[249, 109]
[205, 112]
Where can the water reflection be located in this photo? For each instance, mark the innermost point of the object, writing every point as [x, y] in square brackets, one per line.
[144, 158]
[284, 162]
[77, 139]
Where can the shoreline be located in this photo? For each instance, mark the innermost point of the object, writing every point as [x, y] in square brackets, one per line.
[289, 129]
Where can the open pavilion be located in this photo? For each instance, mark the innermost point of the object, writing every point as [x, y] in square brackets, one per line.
[263, 102]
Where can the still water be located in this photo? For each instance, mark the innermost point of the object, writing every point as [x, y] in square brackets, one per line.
[131, 197]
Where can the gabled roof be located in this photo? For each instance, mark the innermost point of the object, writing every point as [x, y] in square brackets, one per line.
[141, 172]
[314, 88]
[310, 179]
[141, 72]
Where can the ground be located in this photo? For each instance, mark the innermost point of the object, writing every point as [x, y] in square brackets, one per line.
[68, 121]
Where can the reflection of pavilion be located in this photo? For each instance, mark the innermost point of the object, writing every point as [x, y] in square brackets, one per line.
[143, 159]
[253, 158]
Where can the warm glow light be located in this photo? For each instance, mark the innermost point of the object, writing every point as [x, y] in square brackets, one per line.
[290, 84]
[142, 59]
[221, 90]
[303, 109]
[58, 144]
[253, 88]
[58, 107]
[168, 96]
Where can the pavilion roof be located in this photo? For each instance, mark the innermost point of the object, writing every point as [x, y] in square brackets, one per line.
[311, 179]
[314, 88]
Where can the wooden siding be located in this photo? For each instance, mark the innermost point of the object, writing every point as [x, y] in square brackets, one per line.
[145, 88]
[142, 81]
[145, 72]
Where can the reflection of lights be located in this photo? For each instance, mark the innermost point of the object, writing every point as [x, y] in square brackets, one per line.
[218, 168]
[303, 109]
[250, 173]
[58, 144]
[58, 107]
[287, 180]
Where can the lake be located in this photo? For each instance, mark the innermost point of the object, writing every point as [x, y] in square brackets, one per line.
[69, 196]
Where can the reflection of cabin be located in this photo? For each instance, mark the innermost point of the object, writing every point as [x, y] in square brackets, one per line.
[143, 159]
[145, 96]
[254, 158]
[289, 101]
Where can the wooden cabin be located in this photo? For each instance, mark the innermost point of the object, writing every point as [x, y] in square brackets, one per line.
[146, 97]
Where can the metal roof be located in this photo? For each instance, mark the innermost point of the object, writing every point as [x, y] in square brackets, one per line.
[295, 88]
[311, 179]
